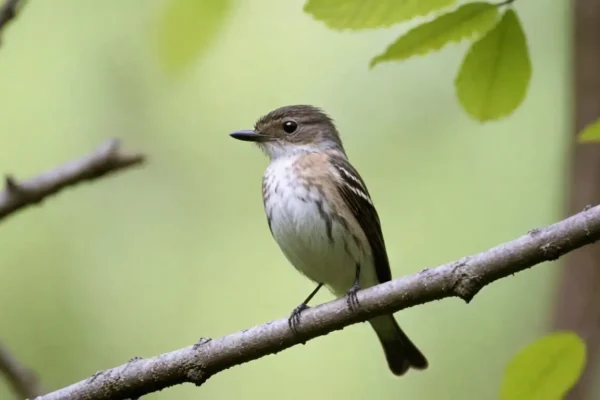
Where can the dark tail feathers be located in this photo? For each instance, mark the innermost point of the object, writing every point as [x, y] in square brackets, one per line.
[400, 352]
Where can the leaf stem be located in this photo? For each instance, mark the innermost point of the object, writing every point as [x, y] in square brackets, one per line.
[505, 3]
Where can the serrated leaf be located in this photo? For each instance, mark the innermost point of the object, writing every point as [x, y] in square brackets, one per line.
[465, 22]
[186, 28]
[546, 369]
[591, 133]
[365, 14]
[494, 76]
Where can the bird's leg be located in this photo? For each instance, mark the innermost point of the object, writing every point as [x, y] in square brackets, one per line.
[352, 298]
[294, 319]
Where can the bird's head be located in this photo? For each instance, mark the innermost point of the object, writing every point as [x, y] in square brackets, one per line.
[292, 130]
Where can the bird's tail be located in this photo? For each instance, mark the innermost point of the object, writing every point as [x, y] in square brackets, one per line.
[400, 352]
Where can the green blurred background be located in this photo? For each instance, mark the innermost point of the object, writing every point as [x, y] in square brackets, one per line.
[150, 260]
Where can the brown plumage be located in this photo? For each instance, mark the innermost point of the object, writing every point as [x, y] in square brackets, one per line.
[321, 214]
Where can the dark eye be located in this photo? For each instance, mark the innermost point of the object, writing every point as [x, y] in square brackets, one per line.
[289, 126]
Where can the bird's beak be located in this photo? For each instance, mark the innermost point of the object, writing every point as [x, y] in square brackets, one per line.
[249, 136]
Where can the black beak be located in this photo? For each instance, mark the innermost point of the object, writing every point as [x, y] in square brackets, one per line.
[249, 136]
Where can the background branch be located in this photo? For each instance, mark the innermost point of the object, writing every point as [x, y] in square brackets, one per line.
[17, 195]
[107, 159]
[463, 278]
[9, 10]
[23, 381]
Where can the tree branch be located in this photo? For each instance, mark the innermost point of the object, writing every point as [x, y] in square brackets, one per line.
[23, 381]
[17, 195]
[463, 278]
[107, 159]
[577, 293]
[9, 10]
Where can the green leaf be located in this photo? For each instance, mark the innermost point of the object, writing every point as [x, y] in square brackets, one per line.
[465, 22]
[495, 74]
[590, 133]
[364, 14]
[546, 369]
[186, 28]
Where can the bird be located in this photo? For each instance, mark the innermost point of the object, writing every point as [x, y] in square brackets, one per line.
[321, 215]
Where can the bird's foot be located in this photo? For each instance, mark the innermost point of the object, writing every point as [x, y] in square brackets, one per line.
[294, 319]
[352, 298]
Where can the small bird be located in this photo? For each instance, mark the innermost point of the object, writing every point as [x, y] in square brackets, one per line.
[321, 214]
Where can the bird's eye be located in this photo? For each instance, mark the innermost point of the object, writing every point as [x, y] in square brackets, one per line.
[289, 126]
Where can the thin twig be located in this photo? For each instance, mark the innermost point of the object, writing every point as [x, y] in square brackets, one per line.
[463, 278]
[23, 381]
[9, 11]
[504, 3]
[105, 160]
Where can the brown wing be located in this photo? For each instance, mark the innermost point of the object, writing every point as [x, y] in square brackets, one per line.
[266, 193]
[355, 194]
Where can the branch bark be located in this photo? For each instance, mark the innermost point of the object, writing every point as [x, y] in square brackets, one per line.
[24, 381]
[107, 159]
[463, 278]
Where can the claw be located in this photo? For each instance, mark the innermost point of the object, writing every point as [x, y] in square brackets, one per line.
[352, 298]
[294, 319]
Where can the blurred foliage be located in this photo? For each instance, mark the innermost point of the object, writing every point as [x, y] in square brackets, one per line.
[546, 369]
[360, 14]
[591, 133]
[150, 260]
[467, 21]
[495, 74]
[185, 30]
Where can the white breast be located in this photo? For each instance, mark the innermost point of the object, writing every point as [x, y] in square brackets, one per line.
[298, 223]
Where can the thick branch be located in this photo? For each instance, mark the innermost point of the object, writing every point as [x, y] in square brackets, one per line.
[463, 278]
[105, 160]
[23, 381]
